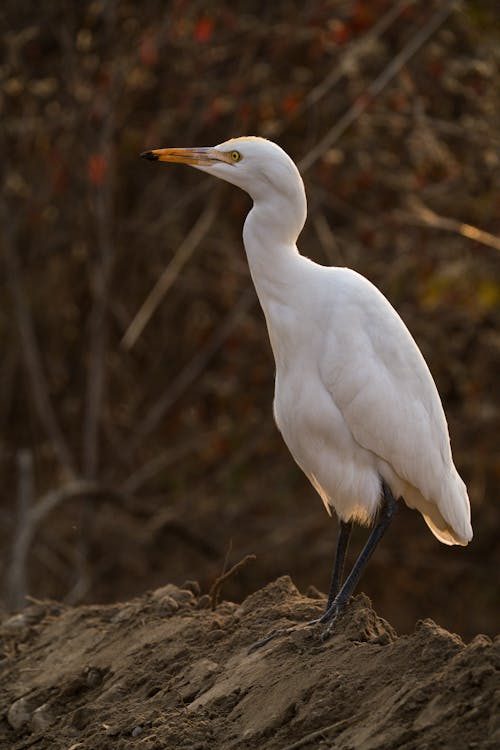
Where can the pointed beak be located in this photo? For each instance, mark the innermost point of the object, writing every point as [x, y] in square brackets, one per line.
[203, 157]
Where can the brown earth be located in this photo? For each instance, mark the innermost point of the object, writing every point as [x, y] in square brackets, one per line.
[165, 671]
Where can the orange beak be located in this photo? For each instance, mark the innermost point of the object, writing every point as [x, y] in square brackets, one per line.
[205, 157]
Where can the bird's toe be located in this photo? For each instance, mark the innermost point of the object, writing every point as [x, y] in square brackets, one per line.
[327, 632]
[330, 619]
[283, 631]
[264, 641]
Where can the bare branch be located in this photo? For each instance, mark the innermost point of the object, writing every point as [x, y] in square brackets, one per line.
[217, 584]
[39, 511]
[354, 51]
[98, 340]
[423, 216]
[192, 370]
[168, 518]
[99, 323]
[170, 274]
[326, 237]
[163, 460]
[30, 351]
[17, 576]
[377, 85]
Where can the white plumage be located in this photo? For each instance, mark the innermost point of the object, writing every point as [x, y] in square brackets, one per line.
[354, 399]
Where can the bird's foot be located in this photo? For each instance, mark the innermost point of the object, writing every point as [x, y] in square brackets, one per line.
[330, 618]
[328, 631]
[282, 631]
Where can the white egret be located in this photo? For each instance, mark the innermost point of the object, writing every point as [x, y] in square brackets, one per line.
[354, 399]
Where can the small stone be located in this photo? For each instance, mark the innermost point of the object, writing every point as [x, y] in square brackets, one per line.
[28, 617]
[136, 731]
[167, 606]
[111, 729]
[181, 596]
[94, 677]
[15, 624]
[204, 602]
[80, 718]
[19, 713]
[192, 586]
[124, 614]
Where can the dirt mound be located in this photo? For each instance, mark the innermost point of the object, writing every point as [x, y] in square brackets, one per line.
[165, 671]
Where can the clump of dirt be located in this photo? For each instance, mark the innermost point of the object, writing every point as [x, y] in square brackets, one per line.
[165, 671]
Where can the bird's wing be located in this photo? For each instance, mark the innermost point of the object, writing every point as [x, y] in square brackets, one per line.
[380, 382]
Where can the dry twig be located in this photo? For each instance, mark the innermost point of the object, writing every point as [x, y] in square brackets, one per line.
[98, 345]
[377, 85]
[169, 275]
[16, 578]
[168, 519]
[192, 370]
[326, 237]
[99, 317]
[423, 216]
[139, 477]
[350, 55]
[30, 350]
[217, 584]
[39, 511]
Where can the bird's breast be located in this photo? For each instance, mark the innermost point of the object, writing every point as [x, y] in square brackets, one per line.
[316, 434]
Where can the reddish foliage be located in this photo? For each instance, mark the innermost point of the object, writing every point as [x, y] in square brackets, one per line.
[398, 101]
[204, 29]
[341, 32]
[362, 16]
[290, 104]
[97, 169]
[148, 51]
[435, 68]
[409, 10]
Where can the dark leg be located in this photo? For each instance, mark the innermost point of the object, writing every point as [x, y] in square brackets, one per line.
[338, 570]
[345, 529]
[388, 508]
[387, 511]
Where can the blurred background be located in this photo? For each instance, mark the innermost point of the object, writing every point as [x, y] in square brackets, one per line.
[137, 444]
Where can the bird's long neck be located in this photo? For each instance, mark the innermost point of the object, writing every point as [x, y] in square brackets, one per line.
[270, 235]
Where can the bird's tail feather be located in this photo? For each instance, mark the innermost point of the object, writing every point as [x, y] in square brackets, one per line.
[449, 519]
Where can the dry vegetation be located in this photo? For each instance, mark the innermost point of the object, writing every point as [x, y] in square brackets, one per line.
[136, 437]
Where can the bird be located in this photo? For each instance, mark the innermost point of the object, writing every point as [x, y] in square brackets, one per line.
[354, 399]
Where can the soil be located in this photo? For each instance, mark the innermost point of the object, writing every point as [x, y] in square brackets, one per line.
[165, 670]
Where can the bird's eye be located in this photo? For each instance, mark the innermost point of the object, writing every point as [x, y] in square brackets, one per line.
[235, 156]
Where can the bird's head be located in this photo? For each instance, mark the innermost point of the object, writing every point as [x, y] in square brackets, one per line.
[256, 165]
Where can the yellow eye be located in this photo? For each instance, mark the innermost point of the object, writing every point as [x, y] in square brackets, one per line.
[235, 156]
